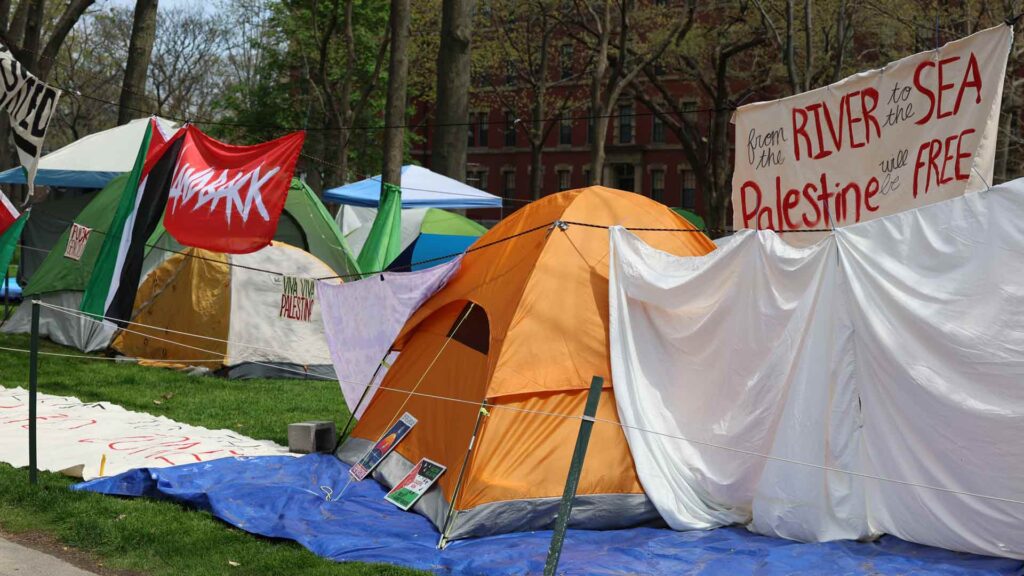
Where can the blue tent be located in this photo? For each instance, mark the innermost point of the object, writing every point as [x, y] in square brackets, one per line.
[421, 188]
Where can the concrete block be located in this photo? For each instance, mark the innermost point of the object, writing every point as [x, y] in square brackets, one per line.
[315, 436]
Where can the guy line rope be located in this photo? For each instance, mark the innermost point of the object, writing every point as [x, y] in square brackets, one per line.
[606, 421]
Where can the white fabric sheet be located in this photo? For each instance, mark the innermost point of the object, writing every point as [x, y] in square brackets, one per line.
[812, 384]
[74, 436]
[363, 318]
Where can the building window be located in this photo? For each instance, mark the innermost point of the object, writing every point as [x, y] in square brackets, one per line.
[657, 129]
[510, 73]
[689, 108]
[590, 127]
[565, 60]
[508, 186]
[587, 181]
[565, 131]
[625, 177]
[626, 119]
[657, 184]
[482, 123]
[689, 199]
[510, 129]
[477, 178]
[564, 180]
[477, 129]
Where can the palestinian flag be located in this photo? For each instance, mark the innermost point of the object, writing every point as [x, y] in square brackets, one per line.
[8, 213]
[9, 237]
[115, 278]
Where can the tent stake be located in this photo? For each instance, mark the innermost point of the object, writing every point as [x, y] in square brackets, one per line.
[33, 369]
[573, 480]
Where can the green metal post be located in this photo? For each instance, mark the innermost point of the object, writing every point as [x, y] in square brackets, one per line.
[575, 469]
[33, 369]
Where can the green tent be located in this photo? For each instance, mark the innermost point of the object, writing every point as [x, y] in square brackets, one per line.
[426, 234]
[59, 280]
[691, 217]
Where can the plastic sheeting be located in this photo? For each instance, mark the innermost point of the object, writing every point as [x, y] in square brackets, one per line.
[893, 349]
[306, 500]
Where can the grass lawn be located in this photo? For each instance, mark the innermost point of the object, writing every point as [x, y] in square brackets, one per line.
[163, 538]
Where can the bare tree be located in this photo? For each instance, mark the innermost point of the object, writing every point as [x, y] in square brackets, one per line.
[726, 37]
[188, 67]
[519, 60]
[140, 49]
[620, 52]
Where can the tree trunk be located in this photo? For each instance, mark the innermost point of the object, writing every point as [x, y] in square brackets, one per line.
[453, 79]
[32, 39]
[536, 169]
[597, 153]
[394, 112]
[140, 48]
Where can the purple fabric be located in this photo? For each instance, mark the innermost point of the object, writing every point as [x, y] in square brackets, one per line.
[363, 318]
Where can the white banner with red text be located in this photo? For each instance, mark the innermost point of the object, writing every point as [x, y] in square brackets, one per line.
[93, 439]
[919, 130]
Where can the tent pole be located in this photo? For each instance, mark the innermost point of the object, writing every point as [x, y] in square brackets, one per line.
[449, 520]
[33, 369]
[359, 404]
[575, 469]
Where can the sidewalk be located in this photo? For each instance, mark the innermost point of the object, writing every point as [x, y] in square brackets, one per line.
[17, 560]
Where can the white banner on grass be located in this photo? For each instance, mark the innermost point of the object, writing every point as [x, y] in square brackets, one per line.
[74, 437]
[920, 130]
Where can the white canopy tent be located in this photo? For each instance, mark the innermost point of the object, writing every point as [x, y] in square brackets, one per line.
[92, 161]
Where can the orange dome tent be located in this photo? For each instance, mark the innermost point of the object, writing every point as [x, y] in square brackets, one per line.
[523, 326]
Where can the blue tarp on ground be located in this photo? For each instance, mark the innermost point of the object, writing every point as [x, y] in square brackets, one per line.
[284, 497]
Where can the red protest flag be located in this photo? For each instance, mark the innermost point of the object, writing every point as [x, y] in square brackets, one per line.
[229, 198]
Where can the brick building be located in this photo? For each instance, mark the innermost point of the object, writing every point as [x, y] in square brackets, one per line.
[642, 155]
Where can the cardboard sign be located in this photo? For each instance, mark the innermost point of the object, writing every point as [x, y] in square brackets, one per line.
[415, 484]
[383, 447]
[78, 236]
[920, 130]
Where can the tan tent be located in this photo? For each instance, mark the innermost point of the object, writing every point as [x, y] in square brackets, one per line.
[249, 315]
[523, 327]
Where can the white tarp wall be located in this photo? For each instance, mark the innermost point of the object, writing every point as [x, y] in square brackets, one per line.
[74, 436]
[871, 383]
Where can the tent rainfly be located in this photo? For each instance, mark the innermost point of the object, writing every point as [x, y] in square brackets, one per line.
[527, 344]
[421, 188]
